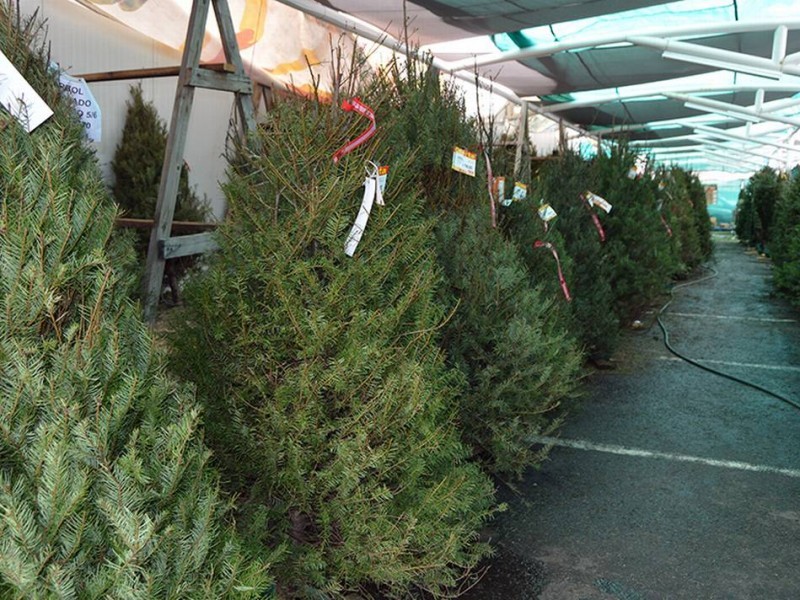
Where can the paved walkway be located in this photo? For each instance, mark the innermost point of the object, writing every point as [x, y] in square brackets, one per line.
[672, 483]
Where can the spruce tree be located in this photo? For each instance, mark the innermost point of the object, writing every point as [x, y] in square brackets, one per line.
[330, 406]
[786, 241]
[104, 487]
[756, 209]
[520, 363]
[561, 183]
[638, 245]
[504, 336]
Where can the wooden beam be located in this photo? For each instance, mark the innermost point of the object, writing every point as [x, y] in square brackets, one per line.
[187, 245]
[177, 226]
[148, 73]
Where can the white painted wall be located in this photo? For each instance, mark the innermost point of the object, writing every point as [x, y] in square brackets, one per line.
[84, 42]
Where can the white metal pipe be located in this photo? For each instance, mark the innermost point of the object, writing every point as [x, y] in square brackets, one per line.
[779, 44]
[722, 134]
[733, 108]
[735, 61]
[541, 50]
[738, 151]
[676, 88]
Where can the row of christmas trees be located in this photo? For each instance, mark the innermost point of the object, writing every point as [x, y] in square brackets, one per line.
[357, 381]
[768, 218]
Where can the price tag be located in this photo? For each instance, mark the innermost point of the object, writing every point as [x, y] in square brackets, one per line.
[383, 173]
[595, 200]
[20, 99]
[85, 103]
[547, 213]
[520, 191]
[464, 161]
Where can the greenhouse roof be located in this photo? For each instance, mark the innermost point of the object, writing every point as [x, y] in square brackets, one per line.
[701, 83]
[697, 82]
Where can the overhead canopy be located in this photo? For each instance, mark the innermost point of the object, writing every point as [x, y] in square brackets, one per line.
[688, 80]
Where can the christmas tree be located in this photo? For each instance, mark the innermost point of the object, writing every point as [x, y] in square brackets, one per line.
[328, 399]
[785, 249]
[104, 485]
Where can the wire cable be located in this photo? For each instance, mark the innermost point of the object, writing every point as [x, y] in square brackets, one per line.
[697, 364]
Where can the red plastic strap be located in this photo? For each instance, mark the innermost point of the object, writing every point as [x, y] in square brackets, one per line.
[598, 226]
[561, 280]
[490, 184]
[355, 105]
[595, 219]
[666, 225]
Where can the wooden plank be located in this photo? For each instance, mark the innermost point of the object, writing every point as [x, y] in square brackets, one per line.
[177, 226]
[244, 100]
[229, 82]
[148, 73]
[187, 245]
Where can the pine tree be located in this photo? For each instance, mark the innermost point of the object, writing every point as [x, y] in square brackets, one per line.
[137, 165]
[520, 364]
[104, 486]
[785, 249]
[561, 183]
[756, 209]
[329, 403]
[638, 245]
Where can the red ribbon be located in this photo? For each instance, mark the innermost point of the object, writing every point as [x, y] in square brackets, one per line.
[561, 280]
[595, 219]
[666, 225]
[490, 182]
[355, 105]
[599, 227]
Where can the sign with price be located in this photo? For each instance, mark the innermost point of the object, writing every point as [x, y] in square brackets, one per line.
[85, 103]
[19, 98]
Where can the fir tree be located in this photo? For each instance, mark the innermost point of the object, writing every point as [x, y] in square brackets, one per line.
[638, 245]
[756, 209]
[520, 364]
[561, 183]
[329, 403]
[104, 486]
[785, 249]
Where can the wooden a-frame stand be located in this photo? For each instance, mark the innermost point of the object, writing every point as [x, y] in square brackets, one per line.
[192, 75]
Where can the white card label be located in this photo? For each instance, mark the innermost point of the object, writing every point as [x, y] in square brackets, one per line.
[595, 200]
[20, 99]
[464, 161]
[547, 213]
[520, 191]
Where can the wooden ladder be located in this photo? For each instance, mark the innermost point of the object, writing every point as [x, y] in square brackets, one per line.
[232, 79]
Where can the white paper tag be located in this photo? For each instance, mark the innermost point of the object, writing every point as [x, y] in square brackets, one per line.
[383, 173]
[85, 103]
[370, 189]
[464, 161]
[595, 200]
[20, 99]
[547, 213]
[500, 189]
[520, 191]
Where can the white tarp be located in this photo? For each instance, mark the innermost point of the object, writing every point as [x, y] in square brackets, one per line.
[276, 42]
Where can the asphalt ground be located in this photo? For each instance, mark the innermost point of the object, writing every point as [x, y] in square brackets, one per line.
[671, 482]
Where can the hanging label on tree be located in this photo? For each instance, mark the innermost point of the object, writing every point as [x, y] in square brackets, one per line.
[383, 174]
[500, 190]
[355, 105]
[20, 99]
[547, 213]
[85, 104]
[520, 191]
[595, 200]
[562, 282]
[464, 161]
[372, 195]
